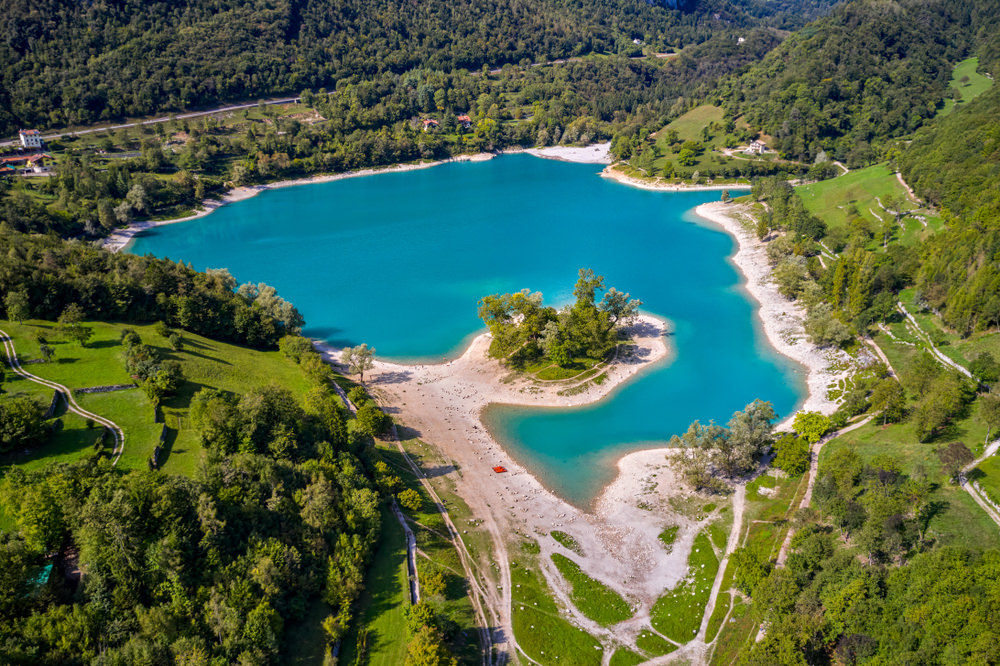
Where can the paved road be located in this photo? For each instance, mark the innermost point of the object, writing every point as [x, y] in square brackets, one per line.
[158, 119]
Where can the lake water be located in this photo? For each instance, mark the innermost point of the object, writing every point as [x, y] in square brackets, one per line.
[400, 260]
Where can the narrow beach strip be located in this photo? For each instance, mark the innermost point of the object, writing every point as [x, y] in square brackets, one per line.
[783, 320]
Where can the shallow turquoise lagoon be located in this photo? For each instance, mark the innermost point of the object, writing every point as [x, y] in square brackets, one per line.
[399, 261]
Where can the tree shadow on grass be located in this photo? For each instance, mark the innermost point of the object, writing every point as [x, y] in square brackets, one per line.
[167, 446]
[103, 344]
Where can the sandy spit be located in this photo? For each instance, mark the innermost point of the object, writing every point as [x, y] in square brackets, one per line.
[782, 320]
[442, 404]
[661, 184]
[597, 153]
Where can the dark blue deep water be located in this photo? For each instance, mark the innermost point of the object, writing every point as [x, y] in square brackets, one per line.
[399, 261]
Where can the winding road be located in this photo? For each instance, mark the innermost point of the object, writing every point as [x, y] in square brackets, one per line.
[71, 404]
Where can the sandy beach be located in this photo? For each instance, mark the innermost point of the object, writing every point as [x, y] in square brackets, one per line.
[782, 320]
[596, 153]
[442, 404]
[662, 184]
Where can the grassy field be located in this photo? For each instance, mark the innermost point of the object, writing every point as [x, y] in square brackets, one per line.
[205, 363]
[381, 611]
[541, 630]
[968, 82]
[766, 519]
[625, 657]
[839, 201]
[677, 615]
[436, 551]
[567, 541]
[689, 126]
[737, 631]
[668, 536]
[956, 519]
[700, 124]
[591, 597]
[951, 344]
[654, 644]
[988, 476]
[718, 615]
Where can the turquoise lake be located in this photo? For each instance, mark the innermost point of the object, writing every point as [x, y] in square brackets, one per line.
[399, 261]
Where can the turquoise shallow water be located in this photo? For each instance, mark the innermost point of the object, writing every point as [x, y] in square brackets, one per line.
[399, 261]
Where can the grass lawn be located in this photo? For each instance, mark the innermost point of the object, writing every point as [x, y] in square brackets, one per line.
[837, 200]
[542, 631]
[718, 615]
[956, 520]
[677, 615]
[968, 82]
[381, 612]
[988, 477]
[739, 630]
[654, 644]
[668, 536]
[625, 657]
[567, 541]
[205, 363]
[690, 125]
[594, 599]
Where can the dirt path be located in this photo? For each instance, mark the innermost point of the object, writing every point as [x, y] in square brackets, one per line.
[970, 488]
[411, 553]
[909, 190]
[931, 347]
[71, 403]
[739, 506]
[882, 357]
[813, 471]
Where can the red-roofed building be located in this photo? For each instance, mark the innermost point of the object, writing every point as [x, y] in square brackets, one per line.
[464, 121]
[430, 122]
[30, 138]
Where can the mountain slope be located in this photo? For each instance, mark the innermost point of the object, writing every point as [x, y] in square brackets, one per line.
[68, 62]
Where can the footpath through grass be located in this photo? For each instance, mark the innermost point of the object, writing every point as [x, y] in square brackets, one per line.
[541, 630]
[591, 597]
[378, 635]
[677, 615]
[205, 363]
[955, 518]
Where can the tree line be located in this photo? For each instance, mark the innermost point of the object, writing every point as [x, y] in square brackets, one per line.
[42, 276]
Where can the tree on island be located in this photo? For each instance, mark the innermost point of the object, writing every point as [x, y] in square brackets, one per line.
[524, 330]
[358, 359]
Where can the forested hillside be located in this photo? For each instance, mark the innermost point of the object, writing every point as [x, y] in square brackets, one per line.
[869, 72]
[956, 164]
[73, 63]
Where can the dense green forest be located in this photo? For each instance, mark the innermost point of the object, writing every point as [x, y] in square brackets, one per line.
[42, 276]
[190, 570]
[822, 91]
[956, 165]
[68, 63]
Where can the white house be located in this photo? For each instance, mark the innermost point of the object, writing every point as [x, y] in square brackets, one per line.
[755, 148]
[30, 138]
